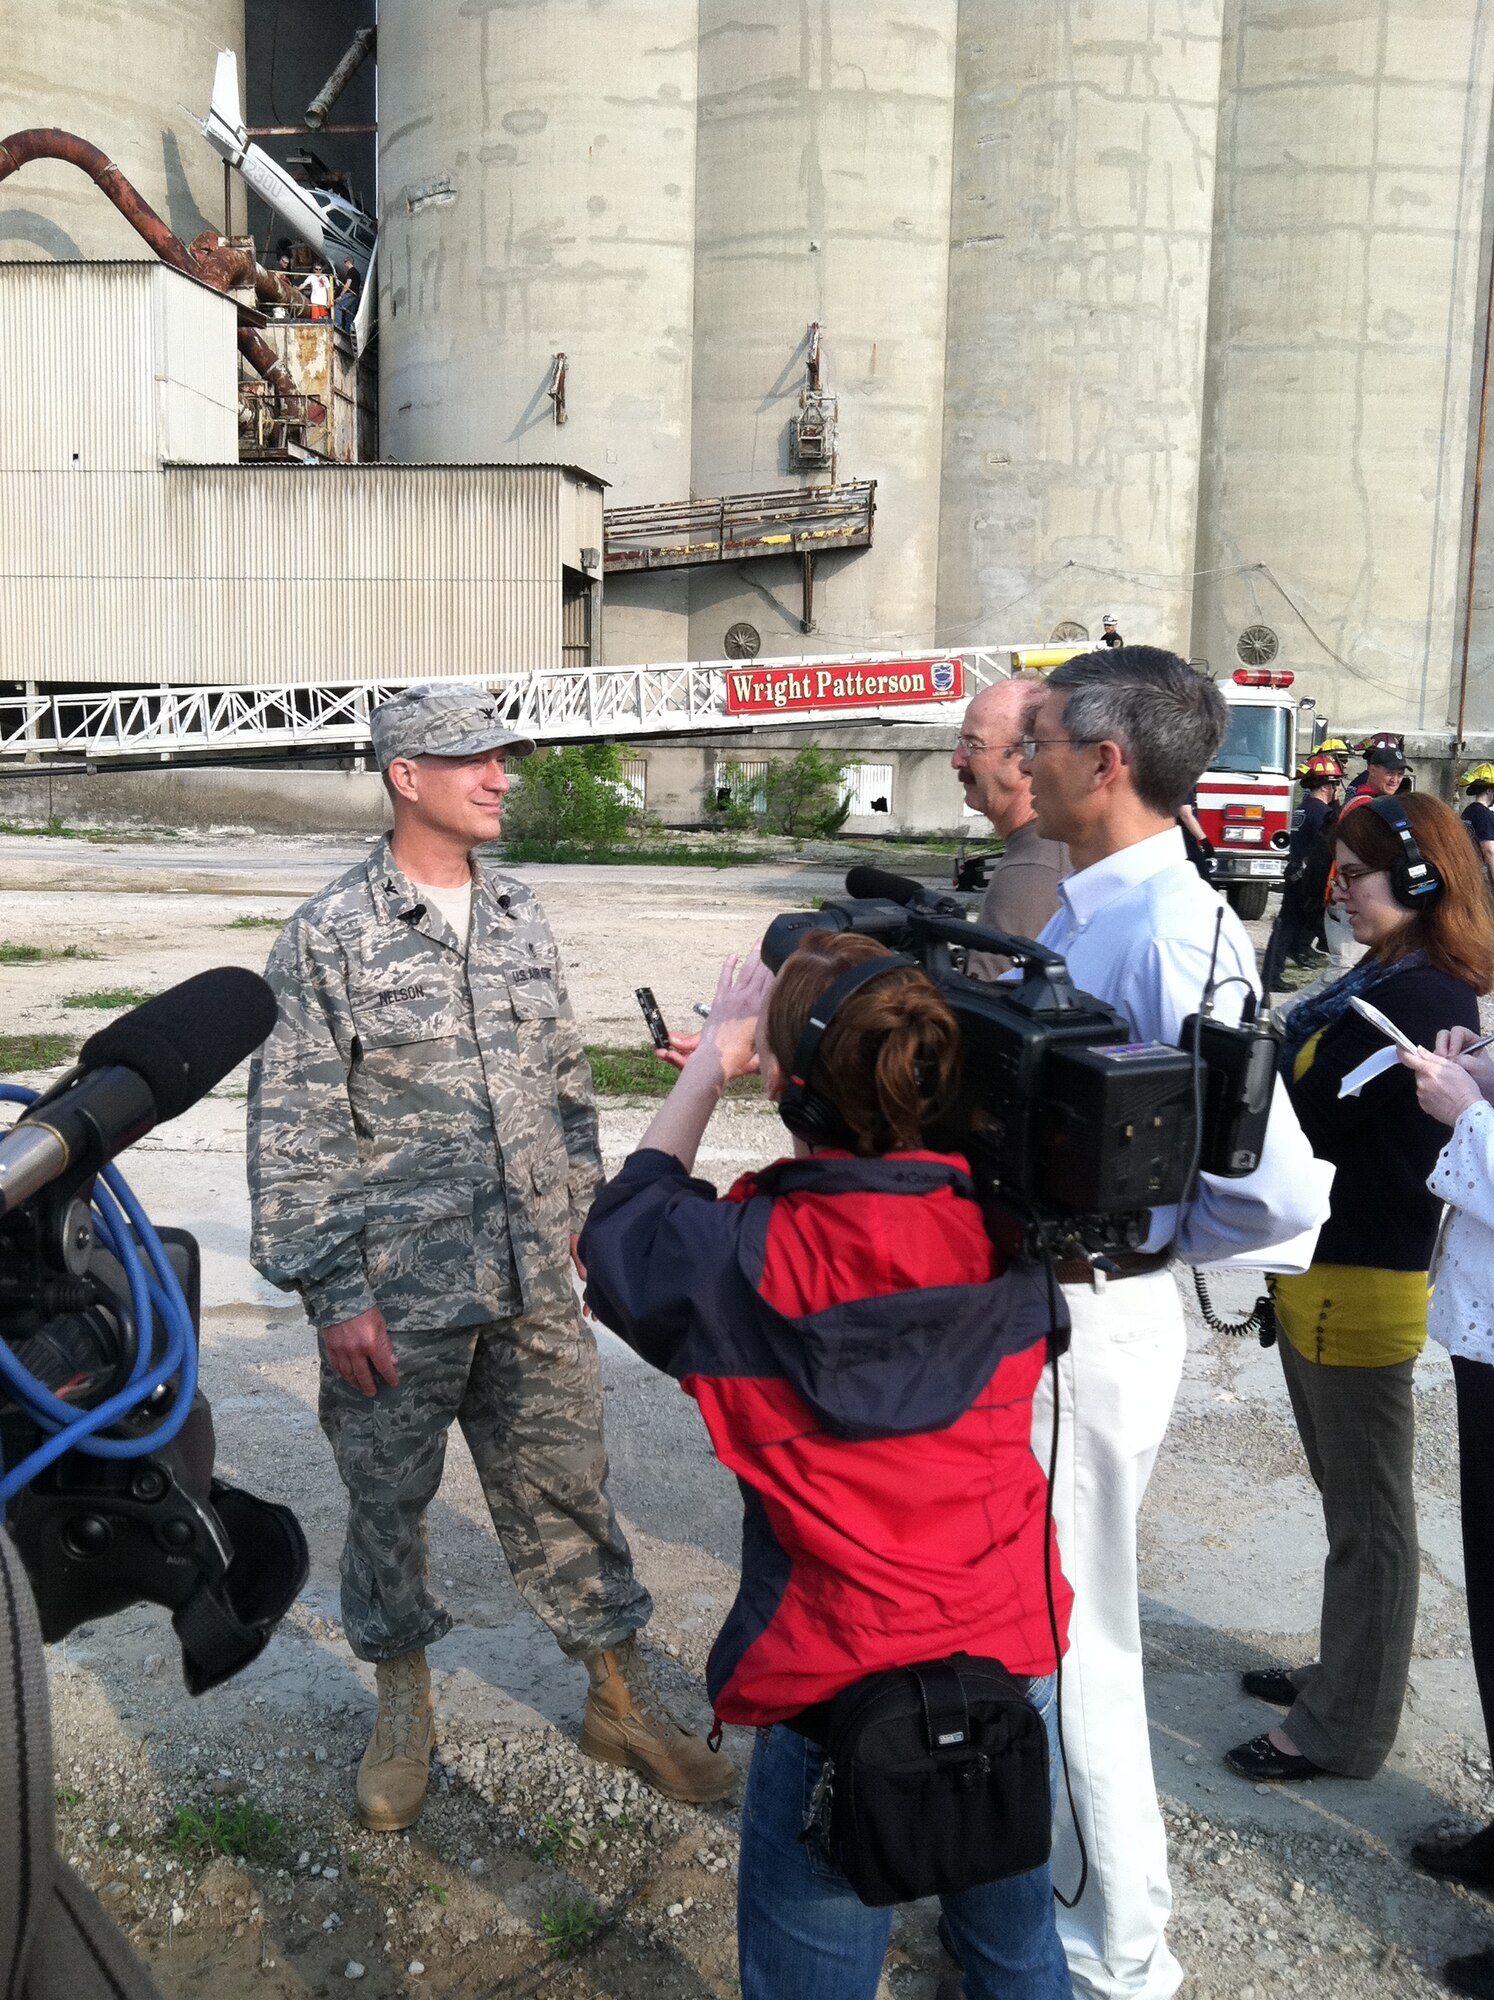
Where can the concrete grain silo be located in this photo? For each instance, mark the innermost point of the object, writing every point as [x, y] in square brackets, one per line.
[537, 176]
[118, 76]
[1346, 309]
[1079, 283]
[825, 131]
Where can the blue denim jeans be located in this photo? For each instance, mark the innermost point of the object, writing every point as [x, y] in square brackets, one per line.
[804, 1934]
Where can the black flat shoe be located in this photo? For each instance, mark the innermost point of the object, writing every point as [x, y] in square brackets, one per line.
[1261, 1762]
[1458, 1857]
[1273, 1684]
[1473, 1974]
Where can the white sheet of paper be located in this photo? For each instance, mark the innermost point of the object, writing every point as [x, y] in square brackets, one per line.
[1368, 1070]
[1386, 1026]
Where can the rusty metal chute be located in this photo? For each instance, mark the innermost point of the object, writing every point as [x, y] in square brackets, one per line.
[204, 261]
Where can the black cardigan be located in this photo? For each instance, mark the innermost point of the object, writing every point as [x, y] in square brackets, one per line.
[1382, 1143]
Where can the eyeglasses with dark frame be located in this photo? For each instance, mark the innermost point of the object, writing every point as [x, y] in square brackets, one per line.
[1032, 744]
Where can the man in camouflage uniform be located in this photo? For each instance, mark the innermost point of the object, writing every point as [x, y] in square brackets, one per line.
[422, 1152]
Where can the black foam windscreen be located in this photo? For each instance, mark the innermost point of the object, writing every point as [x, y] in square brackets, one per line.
[188, 1038]
[878, 884]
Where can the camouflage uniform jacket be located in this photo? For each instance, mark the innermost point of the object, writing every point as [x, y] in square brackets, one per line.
[422, 1126]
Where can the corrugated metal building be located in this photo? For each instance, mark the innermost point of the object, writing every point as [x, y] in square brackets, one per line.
[135, 548]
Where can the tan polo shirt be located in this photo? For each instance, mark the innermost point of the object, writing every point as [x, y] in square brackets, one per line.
[1022, 893]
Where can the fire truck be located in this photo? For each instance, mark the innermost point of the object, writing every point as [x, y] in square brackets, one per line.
[1245, 797]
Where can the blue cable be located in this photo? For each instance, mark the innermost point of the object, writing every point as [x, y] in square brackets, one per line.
[125, 1230]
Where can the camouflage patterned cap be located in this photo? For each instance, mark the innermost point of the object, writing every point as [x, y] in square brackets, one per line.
[442, 719]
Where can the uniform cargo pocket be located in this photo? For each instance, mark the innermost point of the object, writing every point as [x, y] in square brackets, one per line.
[418, 1242]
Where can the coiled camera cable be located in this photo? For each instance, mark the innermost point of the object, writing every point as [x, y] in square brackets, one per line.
[125, 1230]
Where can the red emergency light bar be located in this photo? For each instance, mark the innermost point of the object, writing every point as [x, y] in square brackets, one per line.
[1259, 677]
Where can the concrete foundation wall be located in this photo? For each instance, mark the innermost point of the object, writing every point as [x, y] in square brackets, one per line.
[275, 801]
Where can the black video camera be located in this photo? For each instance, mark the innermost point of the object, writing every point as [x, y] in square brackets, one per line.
[1074, 1130]
[136, 1514]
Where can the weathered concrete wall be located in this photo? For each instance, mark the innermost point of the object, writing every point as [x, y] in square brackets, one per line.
[537, 165]
[1344, 308]
[275, 801]
[114, 74]
[1078, 289]
[824, 151]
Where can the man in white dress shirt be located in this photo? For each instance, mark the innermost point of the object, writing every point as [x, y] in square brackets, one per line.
[1117, 743]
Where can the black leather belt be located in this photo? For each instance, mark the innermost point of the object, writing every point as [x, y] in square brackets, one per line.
[1106, 1270]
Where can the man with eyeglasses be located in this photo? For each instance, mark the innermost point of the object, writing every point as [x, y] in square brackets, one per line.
[1022, 893]
[1117, 740]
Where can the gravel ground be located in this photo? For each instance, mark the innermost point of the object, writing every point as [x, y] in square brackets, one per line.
[533, 1870]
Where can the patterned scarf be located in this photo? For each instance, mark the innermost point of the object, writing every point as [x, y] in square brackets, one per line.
[1321, 1010]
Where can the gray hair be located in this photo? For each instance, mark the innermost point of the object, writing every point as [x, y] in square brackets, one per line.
[1167, 718]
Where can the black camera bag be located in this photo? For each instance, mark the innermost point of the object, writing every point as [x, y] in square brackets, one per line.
[935, 1780]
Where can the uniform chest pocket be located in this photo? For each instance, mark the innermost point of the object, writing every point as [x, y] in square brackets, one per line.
[532, 997]
[404, 1012]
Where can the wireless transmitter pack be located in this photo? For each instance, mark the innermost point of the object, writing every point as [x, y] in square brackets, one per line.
[1239, 1072]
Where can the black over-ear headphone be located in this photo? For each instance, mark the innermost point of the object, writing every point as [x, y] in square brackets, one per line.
[1413, 880]
[808, 1113]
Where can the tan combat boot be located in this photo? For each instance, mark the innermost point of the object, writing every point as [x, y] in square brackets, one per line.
[626, 1723]
[396, 1765]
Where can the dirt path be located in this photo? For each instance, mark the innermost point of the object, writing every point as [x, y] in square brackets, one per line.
[525, 1850]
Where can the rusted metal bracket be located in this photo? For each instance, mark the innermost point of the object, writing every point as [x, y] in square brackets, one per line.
[806, 621]
[556, 390]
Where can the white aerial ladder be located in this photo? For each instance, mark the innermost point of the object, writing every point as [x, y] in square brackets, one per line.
[327, 722]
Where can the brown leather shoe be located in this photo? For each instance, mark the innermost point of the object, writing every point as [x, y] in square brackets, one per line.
[626, 1723]
[396, 1766]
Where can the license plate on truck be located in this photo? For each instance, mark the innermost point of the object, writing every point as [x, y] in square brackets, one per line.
[1267, 866]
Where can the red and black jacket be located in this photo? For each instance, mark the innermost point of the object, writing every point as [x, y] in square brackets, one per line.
[866, 1369]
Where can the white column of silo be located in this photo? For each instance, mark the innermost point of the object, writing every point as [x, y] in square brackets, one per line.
[1081, 221]
[824, 167]
[119, 76]
[1347, 313]
[537, 187]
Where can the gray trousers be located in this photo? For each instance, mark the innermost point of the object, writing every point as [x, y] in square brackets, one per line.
[1358, 1430]
[527, 1393]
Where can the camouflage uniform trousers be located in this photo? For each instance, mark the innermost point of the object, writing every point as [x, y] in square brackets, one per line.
[527, 1394]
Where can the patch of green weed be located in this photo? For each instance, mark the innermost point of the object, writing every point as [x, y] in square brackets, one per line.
[639, 1073]
[246, 1833]
[36, 954]
[568, 1926]
[34, 1052]
[259, 923]
[108, 996]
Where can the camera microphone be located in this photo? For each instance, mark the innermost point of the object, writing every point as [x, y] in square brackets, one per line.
[877, 884]
[148, 1066]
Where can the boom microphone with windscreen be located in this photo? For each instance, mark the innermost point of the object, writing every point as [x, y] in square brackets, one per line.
[150, 1065]
[878, 884]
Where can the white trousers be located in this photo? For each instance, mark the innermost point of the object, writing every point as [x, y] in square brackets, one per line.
[1117, 1385]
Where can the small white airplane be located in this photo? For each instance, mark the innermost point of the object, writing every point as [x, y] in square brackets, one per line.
[333, 226]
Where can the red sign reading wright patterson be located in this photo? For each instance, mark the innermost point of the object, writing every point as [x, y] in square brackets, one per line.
[842, 684]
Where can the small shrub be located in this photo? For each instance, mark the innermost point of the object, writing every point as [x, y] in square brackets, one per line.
[259, 923]
[108, 996]
[568, 1926]
[570, 795]
[800, 796]
[246, 1833]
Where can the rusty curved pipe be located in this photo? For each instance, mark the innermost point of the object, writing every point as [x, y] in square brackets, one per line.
[43, 143]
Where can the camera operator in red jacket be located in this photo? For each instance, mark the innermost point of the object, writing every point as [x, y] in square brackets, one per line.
[865, 1365]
